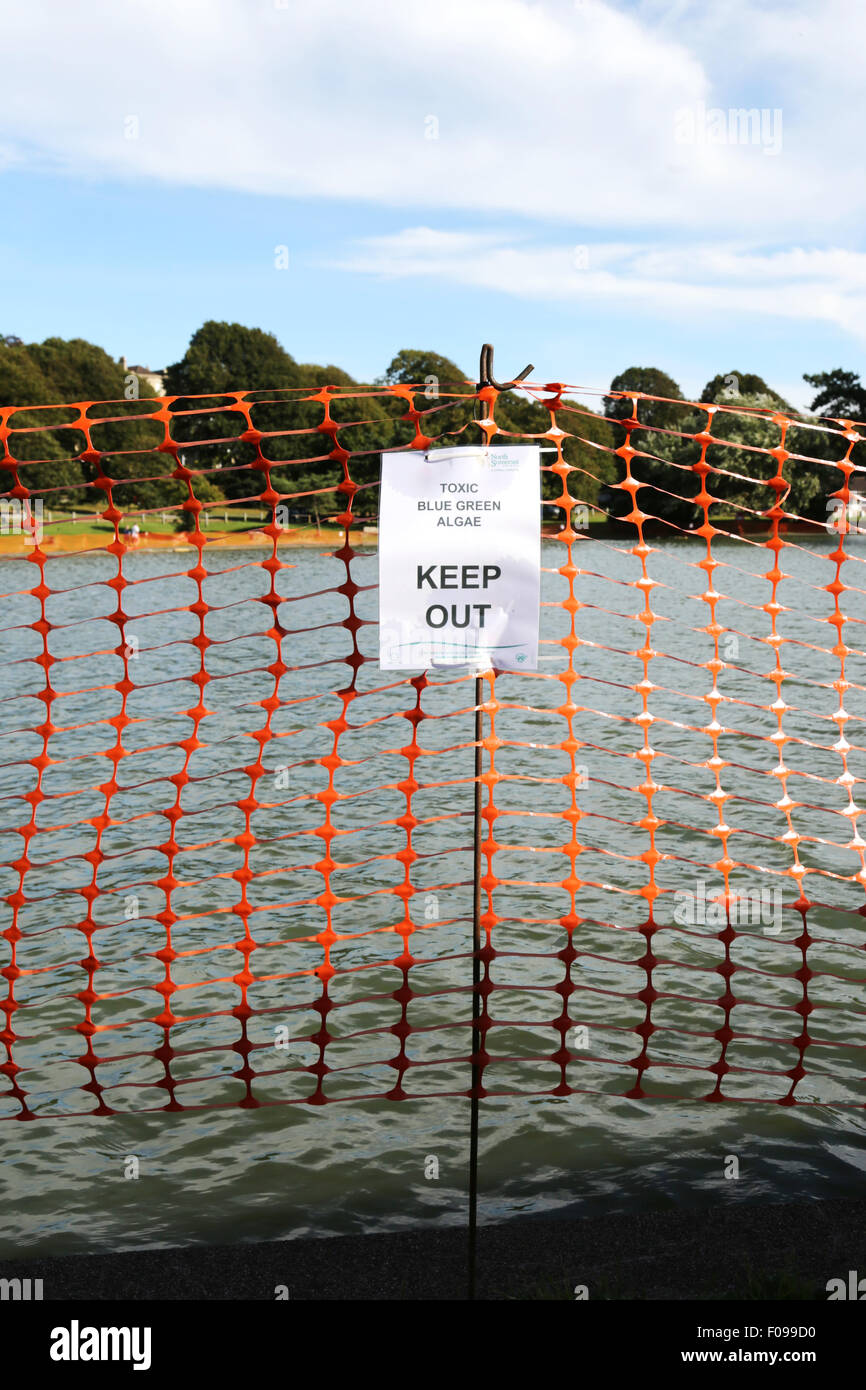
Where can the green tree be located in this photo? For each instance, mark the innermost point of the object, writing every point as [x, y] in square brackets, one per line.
[223, 358]
[738, 474]
[49, 465]
[441, 394]
[58, 371]
[665, 451]
[419, 366]
[79, 371]
[366, 424]
[595, 467]
[127, 446]
[726, 388]
[840, 394]
[313, 374]
[227, 357]
[740, 481]
[649, 381]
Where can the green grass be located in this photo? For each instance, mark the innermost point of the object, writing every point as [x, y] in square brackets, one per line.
[88, 523]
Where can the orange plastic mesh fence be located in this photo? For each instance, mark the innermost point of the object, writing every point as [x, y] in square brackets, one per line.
[239, 856]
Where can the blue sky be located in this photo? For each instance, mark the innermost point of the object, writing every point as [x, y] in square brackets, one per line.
[576, 182]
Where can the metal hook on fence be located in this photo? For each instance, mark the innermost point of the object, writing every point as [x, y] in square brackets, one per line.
[486, 377]
[485, 372]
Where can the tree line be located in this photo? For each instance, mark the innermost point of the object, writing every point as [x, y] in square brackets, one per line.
[741, 463]
[224, 357]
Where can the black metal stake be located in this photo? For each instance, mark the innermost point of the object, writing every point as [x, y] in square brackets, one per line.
[476, 998]
[485, 378]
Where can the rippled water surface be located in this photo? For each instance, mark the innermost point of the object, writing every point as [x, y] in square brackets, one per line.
[283, 1170]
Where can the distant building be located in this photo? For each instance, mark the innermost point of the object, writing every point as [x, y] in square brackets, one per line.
[153, 377]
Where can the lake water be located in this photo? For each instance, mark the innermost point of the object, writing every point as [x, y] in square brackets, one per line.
[226, 1174]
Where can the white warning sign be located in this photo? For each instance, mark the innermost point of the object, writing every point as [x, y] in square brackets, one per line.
[460, 558]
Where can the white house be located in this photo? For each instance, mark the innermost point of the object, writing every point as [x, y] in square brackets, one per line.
[148, 374]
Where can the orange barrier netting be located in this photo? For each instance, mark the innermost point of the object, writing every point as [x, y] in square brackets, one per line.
[239, 856]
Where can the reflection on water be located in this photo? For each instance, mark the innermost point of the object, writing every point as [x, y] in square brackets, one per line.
[281, 1170]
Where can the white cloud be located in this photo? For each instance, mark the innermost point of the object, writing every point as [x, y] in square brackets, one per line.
[822, 285]
[548, 113]
[553, 109]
